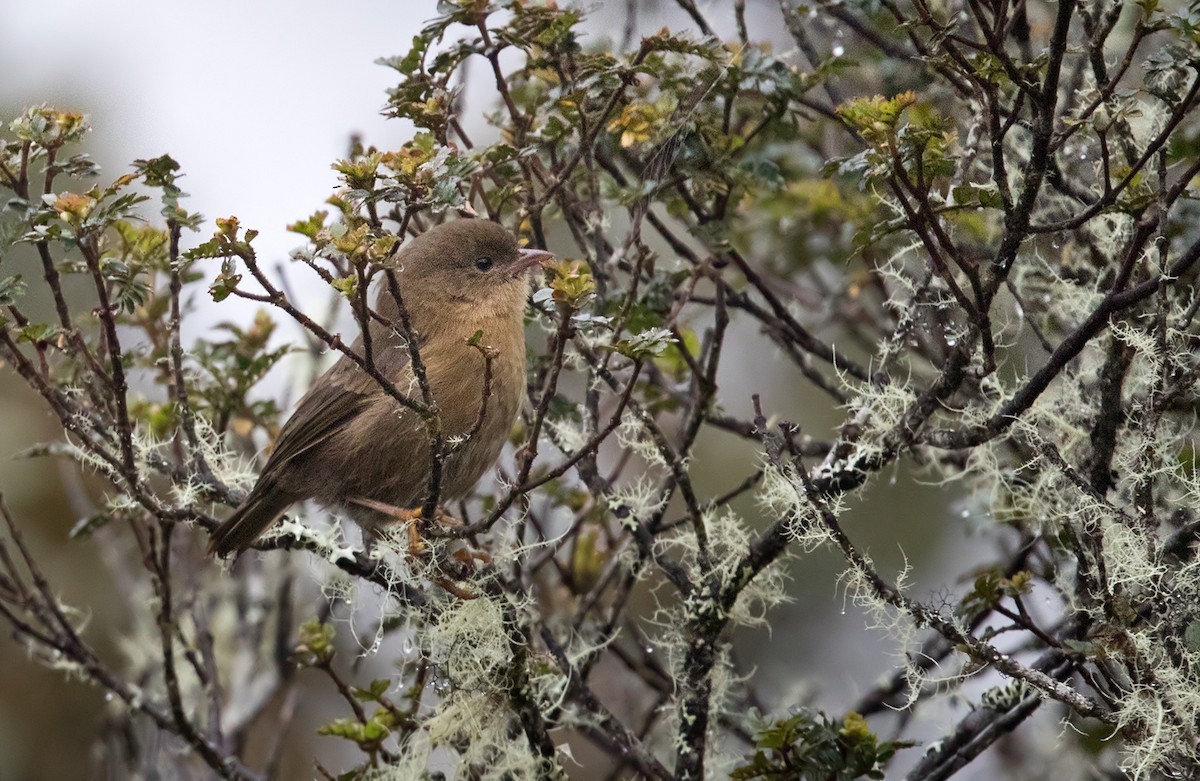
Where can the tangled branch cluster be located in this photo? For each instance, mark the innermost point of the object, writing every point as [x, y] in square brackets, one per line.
[977, 240]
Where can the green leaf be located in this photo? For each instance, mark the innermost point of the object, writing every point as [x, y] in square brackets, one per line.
[11, 289]
[222, 288]
[36, 333]
[316, 642]
[368, 735]
[311, 226]
[49, 128]
[158, 171]
[213, 248]
[571, 283]
[1191, 636]
[374, 691]
[347, 286]
[645, 344]
[810, 745]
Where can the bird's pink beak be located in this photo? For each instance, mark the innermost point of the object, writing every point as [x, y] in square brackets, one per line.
[528, 258]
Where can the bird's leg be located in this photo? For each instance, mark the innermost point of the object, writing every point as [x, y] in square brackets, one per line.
[472, 557]
[467, 556]
[416, 543]
[411, 518]
[453, 588]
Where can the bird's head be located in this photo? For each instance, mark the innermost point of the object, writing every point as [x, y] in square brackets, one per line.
[468, 263]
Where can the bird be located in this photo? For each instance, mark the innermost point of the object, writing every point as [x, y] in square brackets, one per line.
[350, 445]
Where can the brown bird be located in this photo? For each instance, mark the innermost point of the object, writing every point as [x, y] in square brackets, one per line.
[349, 441]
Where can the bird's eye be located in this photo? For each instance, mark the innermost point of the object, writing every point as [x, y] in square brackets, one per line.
[484, 264]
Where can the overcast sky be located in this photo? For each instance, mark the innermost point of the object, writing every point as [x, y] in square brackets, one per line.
[254, 99]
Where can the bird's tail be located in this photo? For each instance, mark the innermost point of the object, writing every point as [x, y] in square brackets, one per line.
[252, 517]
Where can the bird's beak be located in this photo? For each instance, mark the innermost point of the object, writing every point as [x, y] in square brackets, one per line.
[528, 258]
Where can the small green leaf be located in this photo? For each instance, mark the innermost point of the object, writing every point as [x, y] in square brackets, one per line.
[374, 691]
[158, 171]
[11, 288]
[1191, 636]
[316, 642]
[571, 283]
[648, 343]
[35, 333]
[347, 286]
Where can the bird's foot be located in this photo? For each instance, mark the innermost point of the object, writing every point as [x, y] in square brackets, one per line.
[412, 518]
[450, 587]
[467, 561]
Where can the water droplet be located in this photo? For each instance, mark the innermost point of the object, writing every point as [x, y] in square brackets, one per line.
[839, 50]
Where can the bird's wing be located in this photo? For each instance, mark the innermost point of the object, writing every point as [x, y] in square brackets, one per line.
[325, 409]
[335, 399]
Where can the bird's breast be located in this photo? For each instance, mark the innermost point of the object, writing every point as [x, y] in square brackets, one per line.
[457, 372]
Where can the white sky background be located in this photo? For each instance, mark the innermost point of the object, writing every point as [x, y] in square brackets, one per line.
[254, 99]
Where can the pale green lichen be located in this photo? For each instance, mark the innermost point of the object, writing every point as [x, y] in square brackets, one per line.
[632, 435]
[470, 723]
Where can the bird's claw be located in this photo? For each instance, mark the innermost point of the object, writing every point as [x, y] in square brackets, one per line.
[412, 518]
